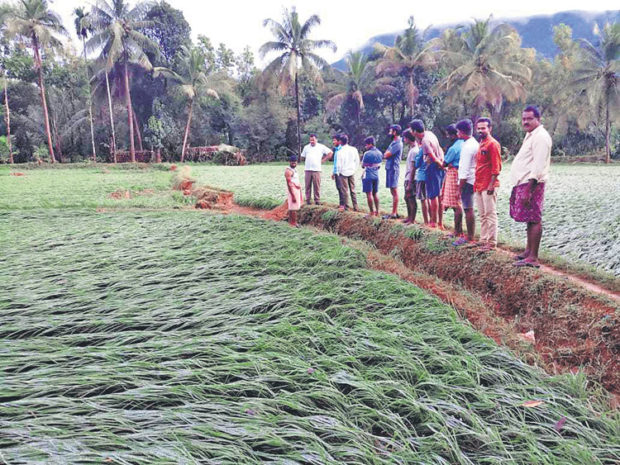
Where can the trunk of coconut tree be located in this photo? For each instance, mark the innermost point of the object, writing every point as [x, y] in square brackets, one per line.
[7, 118]
[411, 97]
[57, 138]
[113, 145]
[132, 148]
[90, 103]
[137, 130]
[298, 115]
[39, 66]
[186, 135]
[607, 132]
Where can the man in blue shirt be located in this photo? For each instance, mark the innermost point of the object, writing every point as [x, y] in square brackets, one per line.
[392, 166]
[371, 162]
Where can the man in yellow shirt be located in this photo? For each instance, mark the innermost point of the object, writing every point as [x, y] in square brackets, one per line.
[528, 175]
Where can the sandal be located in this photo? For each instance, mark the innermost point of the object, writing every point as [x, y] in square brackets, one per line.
[524, 264]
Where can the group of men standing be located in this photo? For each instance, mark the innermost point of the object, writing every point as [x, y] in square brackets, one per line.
[465, 175]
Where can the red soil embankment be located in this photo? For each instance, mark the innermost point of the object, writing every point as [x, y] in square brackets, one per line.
[574, 328]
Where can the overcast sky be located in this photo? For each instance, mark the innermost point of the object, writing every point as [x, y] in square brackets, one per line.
[348, 23]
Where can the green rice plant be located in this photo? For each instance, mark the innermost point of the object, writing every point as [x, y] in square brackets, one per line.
[414, 232]
[264, 203]
[172, 337]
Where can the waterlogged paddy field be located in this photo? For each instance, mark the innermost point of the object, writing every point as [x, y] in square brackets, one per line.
[179, 337]
[582, 212]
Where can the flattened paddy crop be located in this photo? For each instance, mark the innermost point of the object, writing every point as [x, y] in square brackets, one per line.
[582, 214]
[186, 338]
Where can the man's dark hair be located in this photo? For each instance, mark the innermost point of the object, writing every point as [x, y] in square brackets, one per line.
[292, 158]
[534, 109]
[311, 135]
[336, 136]
[417, 125]
[396, 128]
[344, 139]
[451, 130]
[464, 126]
[369, 141]
[484, 119]
[408, 134]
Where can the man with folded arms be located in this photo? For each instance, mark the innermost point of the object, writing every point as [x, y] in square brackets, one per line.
[371, 162]
[392, 155]
[528, 175]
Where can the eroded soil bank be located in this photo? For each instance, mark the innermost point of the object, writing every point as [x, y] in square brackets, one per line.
[574, 328]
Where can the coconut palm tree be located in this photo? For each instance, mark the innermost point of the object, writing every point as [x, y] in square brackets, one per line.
[116, 34]
[33, 21]
[5, 11]
[407, 54]
[191, 80]
[82, 28]
[296, 54]
[485, 66]
[596, 77]
[352, 84]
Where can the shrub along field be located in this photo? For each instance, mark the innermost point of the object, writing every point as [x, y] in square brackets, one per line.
[582, 214]
[168, 337]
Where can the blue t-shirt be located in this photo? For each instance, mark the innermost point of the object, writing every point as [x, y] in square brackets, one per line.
[335, 150]
[374, 157]
[420, 164]
[453, 155]
[396, 149]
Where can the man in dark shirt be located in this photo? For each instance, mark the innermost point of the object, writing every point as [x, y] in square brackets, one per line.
[392, 166]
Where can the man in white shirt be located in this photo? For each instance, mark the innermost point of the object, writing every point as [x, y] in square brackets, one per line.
[347, 163]
[467, 177]
[529, 173]
[314, 154]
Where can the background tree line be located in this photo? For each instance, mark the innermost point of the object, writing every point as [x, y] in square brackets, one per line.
[140, 83]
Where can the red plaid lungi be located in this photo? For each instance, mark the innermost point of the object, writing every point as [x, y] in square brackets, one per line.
[451, 196]
[532, 213]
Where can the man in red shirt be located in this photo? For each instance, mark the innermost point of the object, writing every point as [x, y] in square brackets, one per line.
[488, 167]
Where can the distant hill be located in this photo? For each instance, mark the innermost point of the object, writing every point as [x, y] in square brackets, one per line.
[536, 31]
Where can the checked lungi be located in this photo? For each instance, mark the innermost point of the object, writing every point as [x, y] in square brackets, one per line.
[450, 193]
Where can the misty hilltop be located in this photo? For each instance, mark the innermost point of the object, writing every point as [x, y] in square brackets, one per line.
[536, 31]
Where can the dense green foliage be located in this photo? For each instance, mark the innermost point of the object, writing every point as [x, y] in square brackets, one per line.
[481, 68]
[184, 337]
